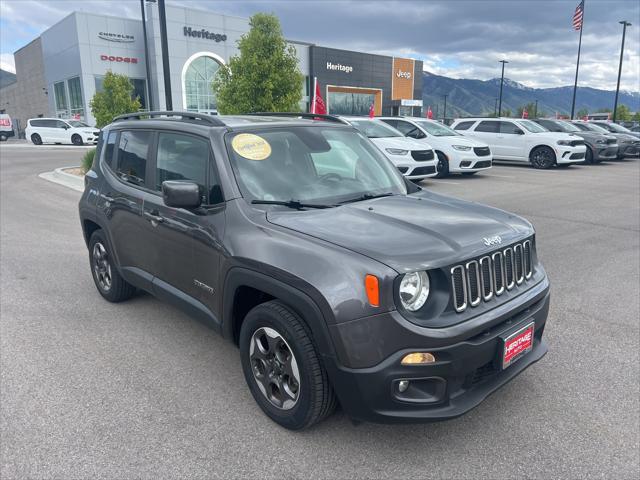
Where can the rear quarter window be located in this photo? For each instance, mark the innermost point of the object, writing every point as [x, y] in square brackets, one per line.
[488, 127]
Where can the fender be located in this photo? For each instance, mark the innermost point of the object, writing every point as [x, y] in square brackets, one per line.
[299, 301]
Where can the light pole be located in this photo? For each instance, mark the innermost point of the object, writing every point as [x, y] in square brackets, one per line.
[495, 108]
[149, 104]
[536, 112]
[501, 82]
[165, 55]
[444, 114]
[625, 24]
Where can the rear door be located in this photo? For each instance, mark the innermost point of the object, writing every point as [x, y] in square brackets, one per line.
[47, 130]
[124, 166]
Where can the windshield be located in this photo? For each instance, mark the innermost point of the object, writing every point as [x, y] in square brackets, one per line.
[375, 129]
[614, 127]
[76, 123]
[533, 127]
[310, 164]
[437, 129]
[595, 128]
[566, 126]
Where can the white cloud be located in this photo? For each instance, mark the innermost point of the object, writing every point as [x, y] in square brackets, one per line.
[7, 63]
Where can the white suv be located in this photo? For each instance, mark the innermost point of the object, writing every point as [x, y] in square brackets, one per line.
[455, 152]
[415, 160]
[524, 141]
[55, 130]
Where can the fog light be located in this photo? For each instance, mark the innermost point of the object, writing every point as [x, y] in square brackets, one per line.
[403, 385]
[418, 358]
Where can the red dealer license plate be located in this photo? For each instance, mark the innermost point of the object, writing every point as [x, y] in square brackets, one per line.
[517, 345]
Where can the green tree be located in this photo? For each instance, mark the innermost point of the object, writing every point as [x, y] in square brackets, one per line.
[623, 113]
[583, 112]
[636, 117]
[115, 99]
[265, 76]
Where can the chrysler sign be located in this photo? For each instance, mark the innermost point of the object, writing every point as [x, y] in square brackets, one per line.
[116, 37]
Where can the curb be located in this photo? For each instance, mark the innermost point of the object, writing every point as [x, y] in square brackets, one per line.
[61, 177]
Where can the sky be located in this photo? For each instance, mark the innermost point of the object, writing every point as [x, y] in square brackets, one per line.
[455, 38]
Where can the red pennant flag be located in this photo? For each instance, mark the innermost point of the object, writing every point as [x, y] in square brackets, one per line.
[525, 114]
[372, 112]
[318, 106]
[429, 113]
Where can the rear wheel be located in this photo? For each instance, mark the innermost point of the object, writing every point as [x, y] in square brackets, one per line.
[105, 274]
[588, 156]
[283, 368]
[443, 165]
[36, 139]
[77, 139]
[542, 157]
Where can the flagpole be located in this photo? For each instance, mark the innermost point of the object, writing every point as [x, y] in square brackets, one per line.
[575, 83]
[313, 97]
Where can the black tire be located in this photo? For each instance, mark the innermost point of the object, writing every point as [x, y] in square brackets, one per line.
[76, 140]
[36, 139]
[542, 157]
[588, 156]
[117, 289]
[3, 137]
[315, 399]
[443, 165]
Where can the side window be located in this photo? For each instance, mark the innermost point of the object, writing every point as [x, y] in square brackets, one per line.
[510, 128]
[488, 126]
[182, 157]
[463, 125]
[37, 123]
[131, 163]
[391, 123]
[409, 130]
[60, 124]
[49, 123]
[109, 147]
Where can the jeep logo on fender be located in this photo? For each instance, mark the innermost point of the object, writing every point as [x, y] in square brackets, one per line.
[490, 241]
[113, 58]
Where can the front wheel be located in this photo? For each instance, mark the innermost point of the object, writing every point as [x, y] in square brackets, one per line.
[588, 156]
[282, 367]
[542, 157]
[443, 165]
[108, 280]
[77, 140]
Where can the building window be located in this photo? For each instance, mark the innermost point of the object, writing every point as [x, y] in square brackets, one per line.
[62, 109]
[139, 89]
[75, 98]
[353, 100]
[197, 76]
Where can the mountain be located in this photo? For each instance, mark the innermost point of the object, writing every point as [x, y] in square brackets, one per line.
[467, 97]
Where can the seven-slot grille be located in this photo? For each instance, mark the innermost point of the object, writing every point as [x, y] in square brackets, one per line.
[422, 155]
[481, 151]
[479, 280]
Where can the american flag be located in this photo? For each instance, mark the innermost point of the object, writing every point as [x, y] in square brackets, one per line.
[577, 17]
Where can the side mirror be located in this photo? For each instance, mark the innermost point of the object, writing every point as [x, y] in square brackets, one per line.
[520, 132]
[181, 194]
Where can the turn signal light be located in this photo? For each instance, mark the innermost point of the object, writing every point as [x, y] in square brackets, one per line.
[373, 290]
[418, 358]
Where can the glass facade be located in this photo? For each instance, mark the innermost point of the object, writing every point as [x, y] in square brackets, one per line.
[341, 103]
[62, 108]
[76, 105]
[197, 85]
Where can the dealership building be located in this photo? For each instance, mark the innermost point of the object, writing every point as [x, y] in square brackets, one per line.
[58, 73]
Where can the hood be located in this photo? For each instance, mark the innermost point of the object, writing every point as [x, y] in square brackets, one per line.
[624, 137]
[560, 135]
[457, 140]
[418, 231]
[400, 142]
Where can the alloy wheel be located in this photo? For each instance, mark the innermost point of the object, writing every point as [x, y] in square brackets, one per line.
[102, 267]
[542, 158]
[275, 368]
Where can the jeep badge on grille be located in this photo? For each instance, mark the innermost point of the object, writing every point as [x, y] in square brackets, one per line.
[495, 240]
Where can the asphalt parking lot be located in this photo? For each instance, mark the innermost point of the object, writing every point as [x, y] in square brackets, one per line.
[95, 390]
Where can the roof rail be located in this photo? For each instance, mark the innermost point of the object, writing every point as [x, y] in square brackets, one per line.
[203, 117]
[310, 116]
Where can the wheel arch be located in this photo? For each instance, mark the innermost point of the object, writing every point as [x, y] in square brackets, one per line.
[542, 145]
[253, 288]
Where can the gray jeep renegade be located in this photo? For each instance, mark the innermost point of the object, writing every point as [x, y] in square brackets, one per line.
[340, 282]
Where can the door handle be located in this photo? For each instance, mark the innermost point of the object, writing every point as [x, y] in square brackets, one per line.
[153, 217]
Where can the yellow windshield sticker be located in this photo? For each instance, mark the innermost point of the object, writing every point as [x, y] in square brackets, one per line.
[251, 146]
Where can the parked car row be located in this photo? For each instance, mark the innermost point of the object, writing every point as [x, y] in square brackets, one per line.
[58, 131]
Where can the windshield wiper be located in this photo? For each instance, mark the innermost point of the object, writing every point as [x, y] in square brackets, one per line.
[290, 204]
[367, 196]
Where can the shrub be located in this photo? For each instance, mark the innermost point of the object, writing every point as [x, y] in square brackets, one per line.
[87, 160]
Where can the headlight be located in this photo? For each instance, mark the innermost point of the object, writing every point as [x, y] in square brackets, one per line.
[414, 290]
[564, 142]
[600, 141]
[462, 148]
[396, 151]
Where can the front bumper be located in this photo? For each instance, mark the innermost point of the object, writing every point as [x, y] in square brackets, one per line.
[629, 150]
[607, 152]
[568, 154]
[469, 162]
[466, 370]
